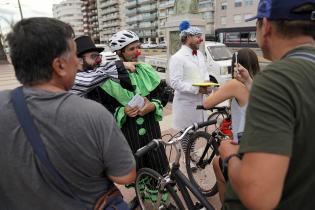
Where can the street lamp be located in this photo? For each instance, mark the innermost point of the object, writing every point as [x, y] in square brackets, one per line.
[20, 9]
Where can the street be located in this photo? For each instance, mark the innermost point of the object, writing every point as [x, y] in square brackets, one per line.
[8, 81]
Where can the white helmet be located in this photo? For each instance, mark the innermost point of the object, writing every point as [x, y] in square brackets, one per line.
[121, 39]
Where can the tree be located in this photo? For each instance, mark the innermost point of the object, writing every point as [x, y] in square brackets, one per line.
[3, 55]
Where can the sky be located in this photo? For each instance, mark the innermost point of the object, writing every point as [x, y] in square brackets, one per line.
[30, 8]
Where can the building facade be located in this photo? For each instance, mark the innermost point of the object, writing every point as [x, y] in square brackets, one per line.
[111, 18]
[167, 10]
[232, 13]
[142, 18]
[69, 11]
[231, 28]
[90, 19]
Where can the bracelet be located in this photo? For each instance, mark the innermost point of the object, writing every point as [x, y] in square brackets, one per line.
[226, 160]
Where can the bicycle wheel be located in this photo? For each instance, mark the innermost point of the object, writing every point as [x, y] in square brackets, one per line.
[151, 195]
[199, 155]
[219, 116]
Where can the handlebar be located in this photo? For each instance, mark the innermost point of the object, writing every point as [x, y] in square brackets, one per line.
[155, 142]
[150, 146]
[218, 108]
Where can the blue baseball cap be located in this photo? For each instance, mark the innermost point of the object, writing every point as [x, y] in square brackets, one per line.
[285, 10]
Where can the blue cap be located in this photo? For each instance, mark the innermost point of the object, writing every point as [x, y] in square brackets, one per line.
[284, 10]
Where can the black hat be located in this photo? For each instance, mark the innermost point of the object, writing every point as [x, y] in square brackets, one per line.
[85, 44]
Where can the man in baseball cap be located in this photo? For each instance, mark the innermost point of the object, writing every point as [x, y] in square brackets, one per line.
[273, 168]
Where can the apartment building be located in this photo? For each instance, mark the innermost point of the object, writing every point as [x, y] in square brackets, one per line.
[167, 10]
[69, 11]
[230, 24]
[142, 18]
[90, 19]
[232, 13]
[111, 18]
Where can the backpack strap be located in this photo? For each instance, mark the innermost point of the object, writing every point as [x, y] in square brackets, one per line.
[35, 140]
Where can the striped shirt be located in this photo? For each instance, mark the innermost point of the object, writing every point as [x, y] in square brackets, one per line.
[85, 81]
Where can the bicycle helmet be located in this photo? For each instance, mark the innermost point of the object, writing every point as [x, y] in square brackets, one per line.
[121, 39]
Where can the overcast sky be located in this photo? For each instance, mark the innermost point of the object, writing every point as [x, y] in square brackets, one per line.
[30, 8]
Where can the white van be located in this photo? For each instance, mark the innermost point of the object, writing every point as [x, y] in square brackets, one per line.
[219, 59]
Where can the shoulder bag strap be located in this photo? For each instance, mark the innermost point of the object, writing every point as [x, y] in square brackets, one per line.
[35, 140]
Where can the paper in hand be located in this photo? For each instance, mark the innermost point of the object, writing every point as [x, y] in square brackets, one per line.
[137, 100]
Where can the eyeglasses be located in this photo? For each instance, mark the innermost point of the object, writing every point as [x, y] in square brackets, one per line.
[94, 55]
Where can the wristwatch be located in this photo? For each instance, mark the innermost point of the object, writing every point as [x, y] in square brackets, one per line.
[226, 160]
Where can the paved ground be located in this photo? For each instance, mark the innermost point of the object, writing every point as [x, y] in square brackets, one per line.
[8, 81]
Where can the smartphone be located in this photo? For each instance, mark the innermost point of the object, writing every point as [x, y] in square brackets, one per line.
[236, 62]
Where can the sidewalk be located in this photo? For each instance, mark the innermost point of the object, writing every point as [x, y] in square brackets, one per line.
[7, 77]
[8, 81]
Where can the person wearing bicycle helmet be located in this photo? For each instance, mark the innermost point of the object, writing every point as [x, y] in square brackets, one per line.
[273, 167]
[139, 121]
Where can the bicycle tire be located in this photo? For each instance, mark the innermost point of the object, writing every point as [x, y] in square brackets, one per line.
[202, 176]
[149, 194]
[219, 116]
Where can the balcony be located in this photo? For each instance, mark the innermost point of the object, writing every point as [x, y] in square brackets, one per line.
[149, 17]
[143, 2]
[170, 3]
[132, 20]
[92, 6]
[147, 8]
[131, 4]
[131, 12]
[108, 4]
[110, 17]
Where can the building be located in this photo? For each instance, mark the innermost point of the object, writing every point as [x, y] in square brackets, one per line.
[111, 18]
[90, 19]
[230, 24]
[142, 18]
[69, 11]
[167, 10]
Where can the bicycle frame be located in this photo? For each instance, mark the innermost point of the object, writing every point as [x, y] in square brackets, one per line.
[183, 183]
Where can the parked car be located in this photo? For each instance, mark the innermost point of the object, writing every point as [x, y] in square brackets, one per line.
[162, 45]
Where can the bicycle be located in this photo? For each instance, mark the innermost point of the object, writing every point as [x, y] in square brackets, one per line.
[155, 191]
[201, 149]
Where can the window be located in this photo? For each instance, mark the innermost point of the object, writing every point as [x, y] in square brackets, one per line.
[223, 6]
[232, 37]
[223, 20]
[237, 18]
[248, 2]
[237, 3]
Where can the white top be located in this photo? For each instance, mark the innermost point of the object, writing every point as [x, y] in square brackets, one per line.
[184, 70]
[238, 118]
